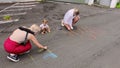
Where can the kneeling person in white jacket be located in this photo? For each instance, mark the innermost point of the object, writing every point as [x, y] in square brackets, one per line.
[70, 18]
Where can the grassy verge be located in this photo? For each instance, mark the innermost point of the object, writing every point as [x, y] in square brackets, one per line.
[118, 5]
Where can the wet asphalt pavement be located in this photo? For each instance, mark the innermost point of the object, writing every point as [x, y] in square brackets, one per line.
[94, 43]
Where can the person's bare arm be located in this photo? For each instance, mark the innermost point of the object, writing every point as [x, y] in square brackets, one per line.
[35, 41]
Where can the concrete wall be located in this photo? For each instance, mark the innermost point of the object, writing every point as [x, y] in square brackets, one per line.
[113, 3]
[109, 3]
[105, 2]
[89, 2]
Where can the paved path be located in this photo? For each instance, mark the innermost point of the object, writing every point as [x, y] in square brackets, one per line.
[94, 43]
[10, 1]
[15, 11]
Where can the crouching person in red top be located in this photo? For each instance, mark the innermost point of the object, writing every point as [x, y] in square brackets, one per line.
[19, 41]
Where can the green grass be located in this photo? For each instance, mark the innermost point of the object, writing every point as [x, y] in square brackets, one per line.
[40, 1]
[118, 5]
[7, 17]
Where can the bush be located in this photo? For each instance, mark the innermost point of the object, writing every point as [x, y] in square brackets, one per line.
[118, 5]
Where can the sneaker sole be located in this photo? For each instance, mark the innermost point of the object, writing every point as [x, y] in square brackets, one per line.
[12, 59]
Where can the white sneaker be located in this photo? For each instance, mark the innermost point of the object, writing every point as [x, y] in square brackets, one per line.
[62, 23]
[13, 58]
[27, 52]
[72, 28]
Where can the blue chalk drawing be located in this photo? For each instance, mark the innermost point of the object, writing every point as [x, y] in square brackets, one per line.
[50, 55]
